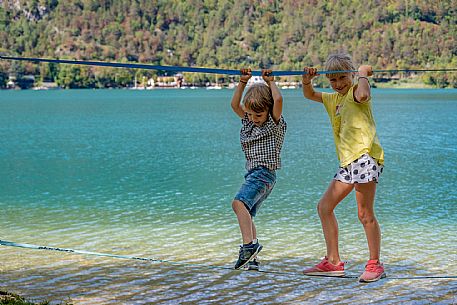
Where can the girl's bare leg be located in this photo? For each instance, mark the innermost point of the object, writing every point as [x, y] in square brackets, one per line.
[336, 192]
[365, 195]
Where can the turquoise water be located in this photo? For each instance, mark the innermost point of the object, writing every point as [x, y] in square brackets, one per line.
[152, 174]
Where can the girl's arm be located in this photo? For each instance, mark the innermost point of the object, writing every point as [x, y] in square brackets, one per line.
[277, 97]
[362, 92]
[308, 90]
[236, 99]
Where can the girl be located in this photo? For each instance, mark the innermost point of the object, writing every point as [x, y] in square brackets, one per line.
[361, 160]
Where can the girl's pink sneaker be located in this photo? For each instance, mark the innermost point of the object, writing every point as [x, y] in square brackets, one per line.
[325, 268]
[374, 271]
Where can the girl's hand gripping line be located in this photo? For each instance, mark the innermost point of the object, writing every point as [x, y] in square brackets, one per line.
[365, 70]
[308, 74]
[362, 92]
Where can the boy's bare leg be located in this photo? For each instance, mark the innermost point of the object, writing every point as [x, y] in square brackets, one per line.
[365, 195]
[244, 220]
[336, 192]
[254, 230]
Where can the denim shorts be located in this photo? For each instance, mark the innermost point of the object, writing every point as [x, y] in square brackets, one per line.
[361, 170]
[257, 185]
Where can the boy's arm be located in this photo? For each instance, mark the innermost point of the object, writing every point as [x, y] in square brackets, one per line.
[236, 99]
[362, 91]
[308, 90]
[277, 97]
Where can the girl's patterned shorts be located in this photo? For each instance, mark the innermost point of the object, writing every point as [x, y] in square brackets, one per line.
[361, 170]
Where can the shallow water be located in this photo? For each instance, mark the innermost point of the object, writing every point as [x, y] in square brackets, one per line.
[152, 174]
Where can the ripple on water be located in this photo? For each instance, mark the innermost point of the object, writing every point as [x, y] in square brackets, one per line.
[162, 188]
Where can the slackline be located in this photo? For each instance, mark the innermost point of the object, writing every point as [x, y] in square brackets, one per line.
[155, 260]
[178, 69]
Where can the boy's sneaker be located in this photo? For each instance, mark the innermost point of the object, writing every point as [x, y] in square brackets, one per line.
[247, 253]
[374, 271]
[325, 268]
[253, 265]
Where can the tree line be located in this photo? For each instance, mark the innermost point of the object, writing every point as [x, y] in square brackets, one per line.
[289, 34]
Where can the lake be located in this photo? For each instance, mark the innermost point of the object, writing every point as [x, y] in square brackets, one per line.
[152, 174]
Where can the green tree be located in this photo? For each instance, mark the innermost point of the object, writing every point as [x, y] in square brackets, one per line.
[74, 77]
[281, 34]
[3, 79]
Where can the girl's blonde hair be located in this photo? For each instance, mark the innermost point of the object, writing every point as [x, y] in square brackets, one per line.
[258, 98]
[338, 62]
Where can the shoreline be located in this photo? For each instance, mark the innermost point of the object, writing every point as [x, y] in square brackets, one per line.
[374, 85]
[403, 83]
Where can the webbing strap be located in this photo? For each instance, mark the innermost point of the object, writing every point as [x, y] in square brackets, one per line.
[198, 69]
[206, 266]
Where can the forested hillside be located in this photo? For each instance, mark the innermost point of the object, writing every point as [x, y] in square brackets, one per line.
[226, 34]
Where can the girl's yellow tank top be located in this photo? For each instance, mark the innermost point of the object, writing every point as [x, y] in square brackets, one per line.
[354, 128]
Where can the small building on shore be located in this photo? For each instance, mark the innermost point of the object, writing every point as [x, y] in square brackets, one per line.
[170, 81]
[11, 83]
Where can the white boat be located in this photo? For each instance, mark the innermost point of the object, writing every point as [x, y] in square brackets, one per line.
[216, 87]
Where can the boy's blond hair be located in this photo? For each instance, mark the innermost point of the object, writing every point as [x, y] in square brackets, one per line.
[258, 98]
[338, 62]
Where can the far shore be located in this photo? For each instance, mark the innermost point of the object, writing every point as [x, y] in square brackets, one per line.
[181, 83]
[283, 86]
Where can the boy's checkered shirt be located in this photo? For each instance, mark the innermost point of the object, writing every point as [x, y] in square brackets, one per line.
[262, 145]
